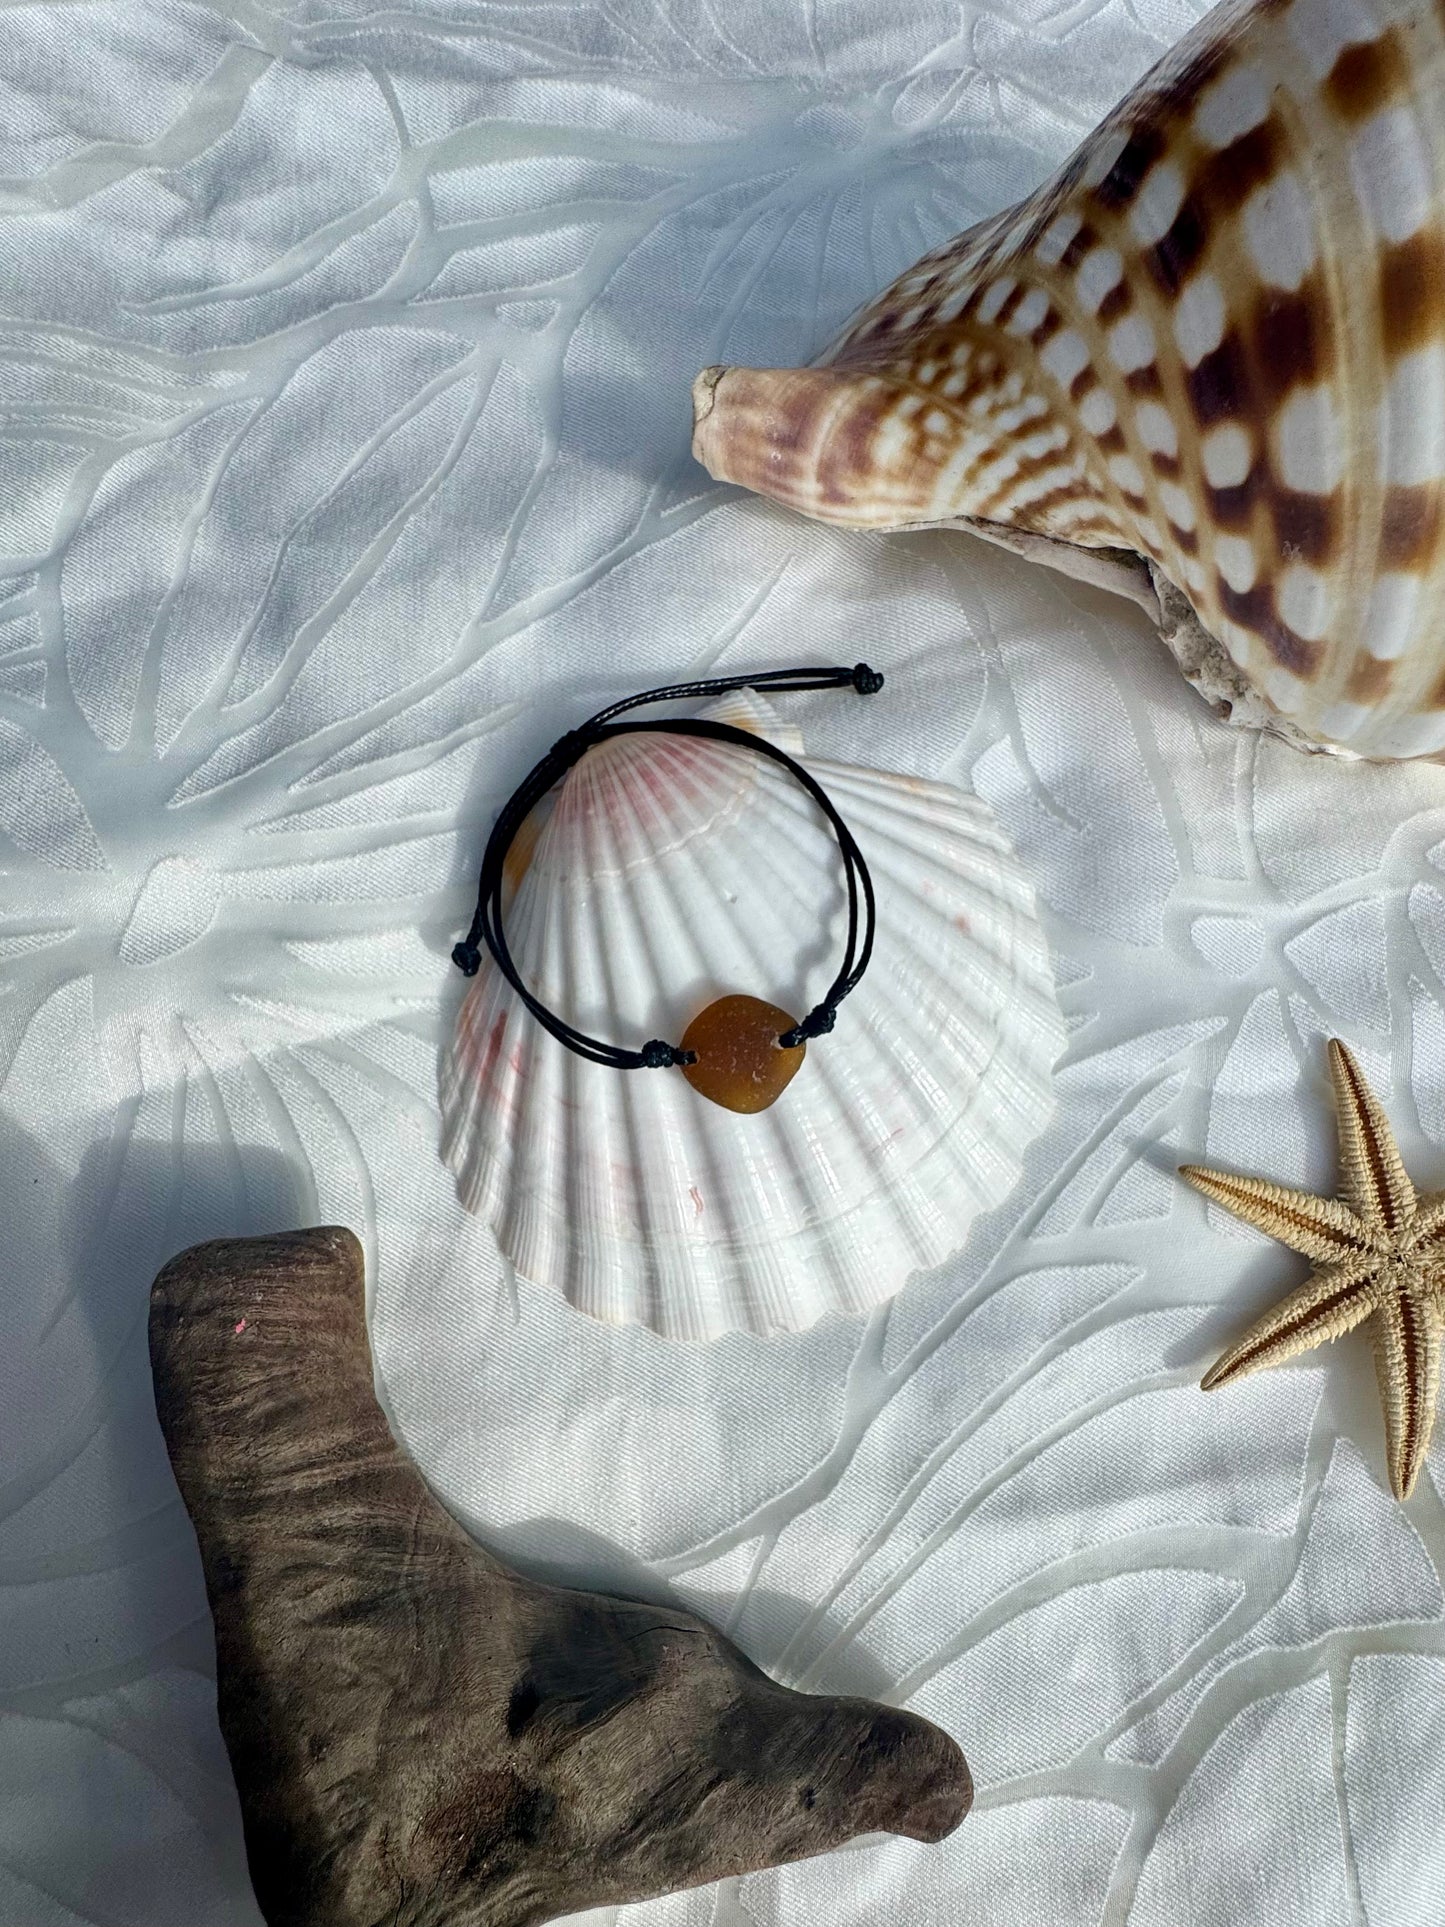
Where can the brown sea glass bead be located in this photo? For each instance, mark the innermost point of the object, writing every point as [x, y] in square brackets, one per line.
[740, 1063]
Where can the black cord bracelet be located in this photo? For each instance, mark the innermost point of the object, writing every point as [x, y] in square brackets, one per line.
[739, 1034]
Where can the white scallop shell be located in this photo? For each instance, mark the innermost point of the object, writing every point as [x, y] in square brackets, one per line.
[672, 870]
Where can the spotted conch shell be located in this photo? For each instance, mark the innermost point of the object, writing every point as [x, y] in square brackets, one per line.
[1205, 364]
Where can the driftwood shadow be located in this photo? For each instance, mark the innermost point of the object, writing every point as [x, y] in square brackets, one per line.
[560, 1552]
[85, 1478]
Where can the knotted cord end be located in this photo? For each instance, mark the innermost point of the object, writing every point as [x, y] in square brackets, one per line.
[467, 958]
[865, 680]
[657, 1055]
[817, 1023]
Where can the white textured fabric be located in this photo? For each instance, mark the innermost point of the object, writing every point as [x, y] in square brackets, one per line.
[343, 460]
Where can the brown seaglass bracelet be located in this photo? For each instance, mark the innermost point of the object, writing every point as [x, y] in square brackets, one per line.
[740, 1052]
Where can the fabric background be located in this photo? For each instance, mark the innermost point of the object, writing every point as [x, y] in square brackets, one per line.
[344, 367]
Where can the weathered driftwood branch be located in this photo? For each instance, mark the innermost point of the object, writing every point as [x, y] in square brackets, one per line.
[420, 1735]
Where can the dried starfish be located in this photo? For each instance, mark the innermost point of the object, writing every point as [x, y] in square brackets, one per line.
[1379, 1251]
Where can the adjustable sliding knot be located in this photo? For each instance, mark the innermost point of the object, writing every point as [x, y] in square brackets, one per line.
[737, 1062]
[569, 748]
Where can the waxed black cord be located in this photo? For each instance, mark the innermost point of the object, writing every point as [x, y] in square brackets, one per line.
[657, 1054]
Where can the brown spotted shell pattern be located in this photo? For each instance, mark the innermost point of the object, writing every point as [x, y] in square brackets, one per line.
[1205, 363]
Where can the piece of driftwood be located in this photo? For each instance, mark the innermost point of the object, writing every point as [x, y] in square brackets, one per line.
[422, 1737]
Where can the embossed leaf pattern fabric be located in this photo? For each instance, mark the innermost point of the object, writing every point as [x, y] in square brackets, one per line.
[343, 461]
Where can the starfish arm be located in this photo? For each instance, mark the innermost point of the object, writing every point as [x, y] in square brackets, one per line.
[1322, 1228]
[1407, 1358]
[1430, 1220]
[1328, 1304]
[1373, 1175]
